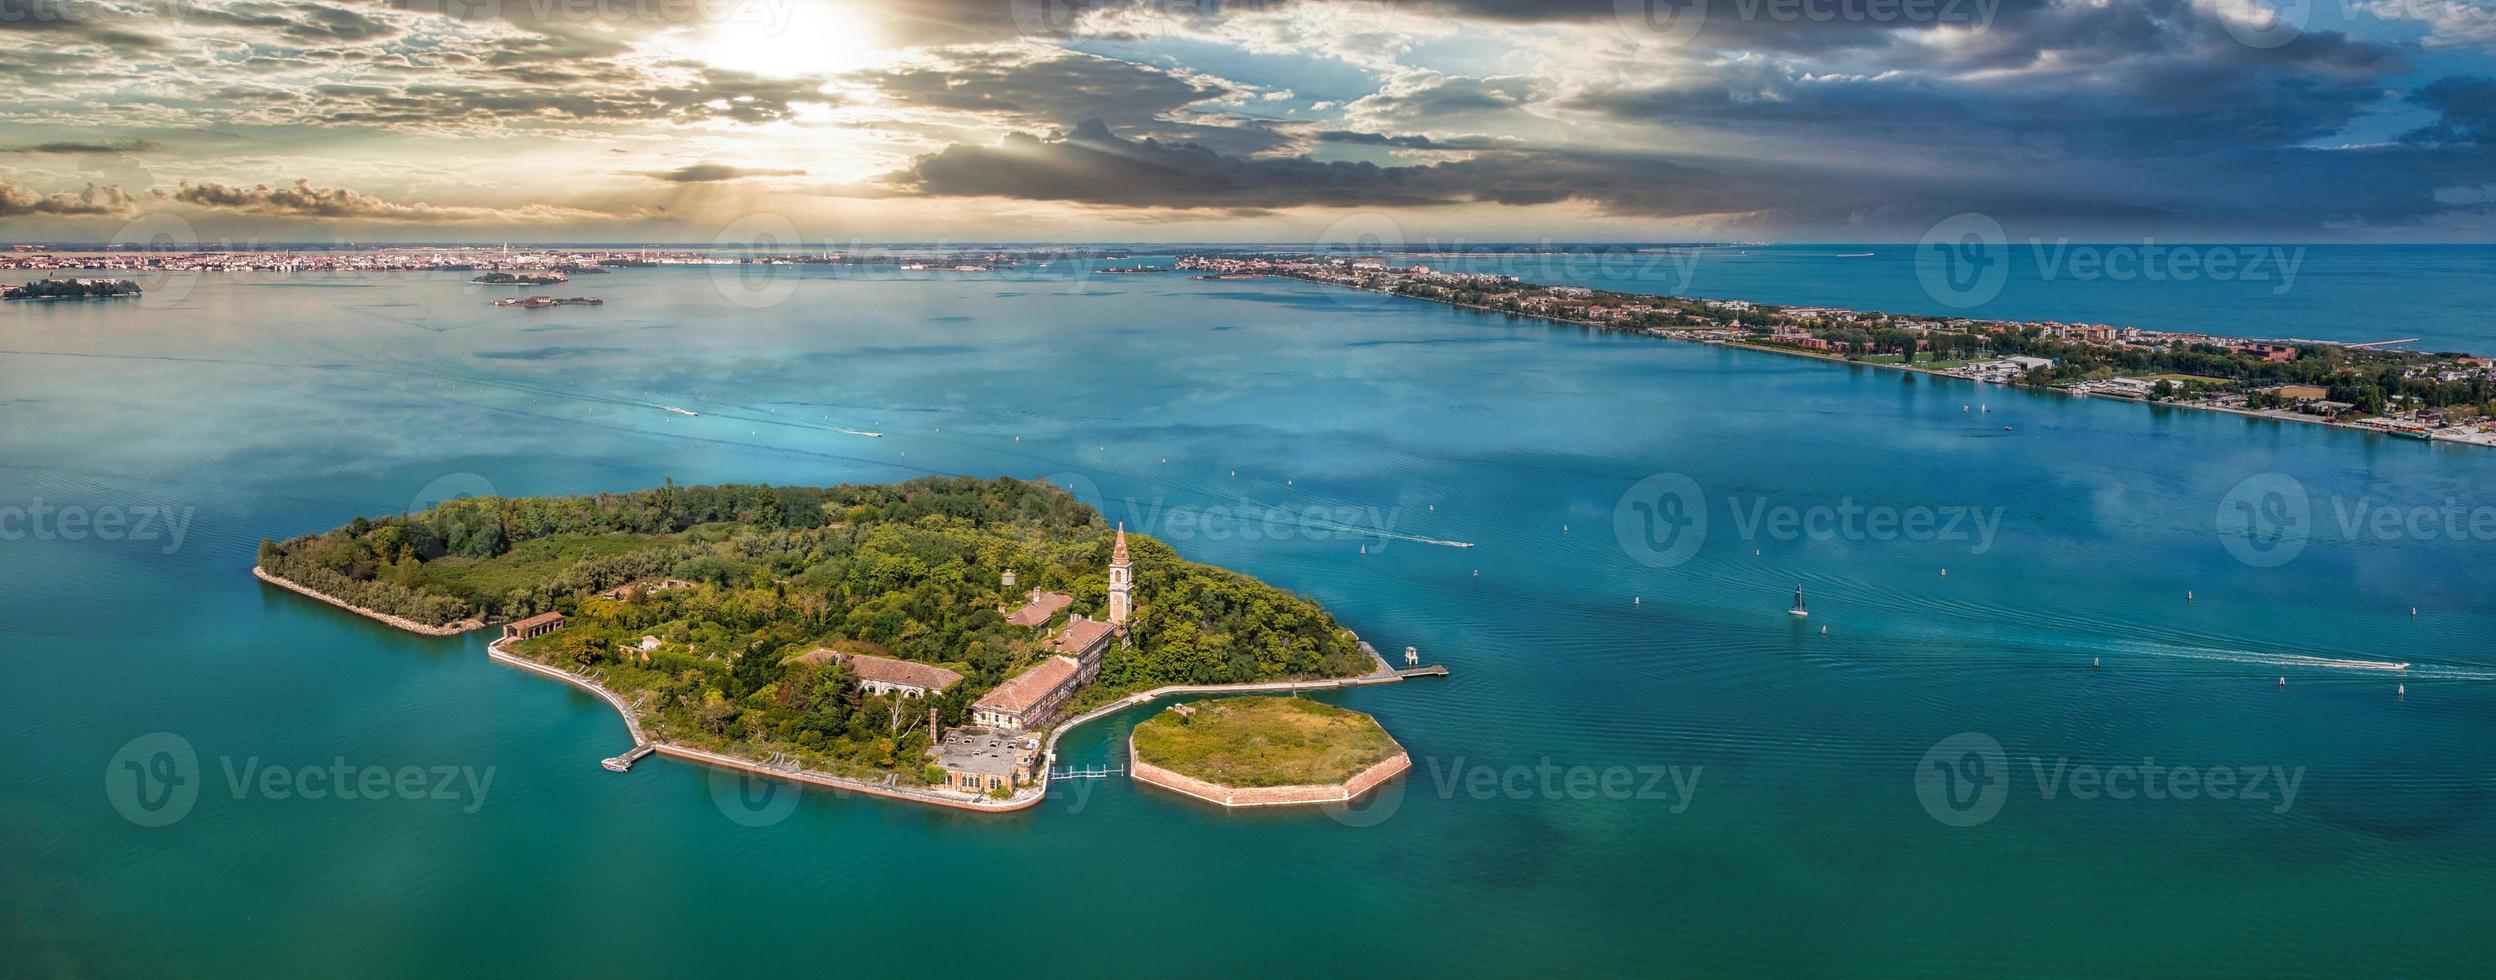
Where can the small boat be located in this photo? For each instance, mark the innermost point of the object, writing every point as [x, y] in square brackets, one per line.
[1798, 611]
[681, 411]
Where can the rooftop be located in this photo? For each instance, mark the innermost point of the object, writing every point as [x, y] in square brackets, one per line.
[986, 751]
[1044, 606]
[890, 671]
[1079, 636]
[1023, 690]
[541, 619]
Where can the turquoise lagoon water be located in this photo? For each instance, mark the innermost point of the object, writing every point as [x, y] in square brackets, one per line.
[1799, 843]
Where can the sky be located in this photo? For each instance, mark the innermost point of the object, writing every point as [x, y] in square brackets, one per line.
[1268, 121]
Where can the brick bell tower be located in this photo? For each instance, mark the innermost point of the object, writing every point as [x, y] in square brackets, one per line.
[1121, 581]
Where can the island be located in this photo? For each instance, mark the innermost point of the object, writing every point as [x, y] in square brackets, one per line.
[548, 302]
[1264, 751]
[548, 278]
[923, 640]
[71, 289]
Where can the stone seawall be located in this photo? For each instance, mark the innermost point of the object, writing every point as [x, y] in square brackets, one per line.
[1303, 795]
[400, 622]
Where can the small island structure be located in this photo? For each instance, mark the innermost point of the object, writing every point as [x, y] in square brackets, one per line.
[1264, 751]
[549, 302]
[547, 278]
[870, 638]
[71, 289]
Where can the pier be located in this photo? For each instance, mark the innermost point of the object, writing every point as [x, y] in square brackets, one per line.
[624, 763]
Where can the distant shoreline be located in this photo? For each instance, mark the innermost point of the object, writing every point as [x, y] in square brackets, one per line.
[2486, 440]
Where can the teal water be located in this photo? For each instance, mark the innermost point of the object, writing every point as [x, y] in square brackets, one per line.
[268, 407]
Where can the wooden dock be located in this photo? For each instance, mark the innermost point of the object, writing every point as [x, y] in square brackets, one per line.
[1434, 670]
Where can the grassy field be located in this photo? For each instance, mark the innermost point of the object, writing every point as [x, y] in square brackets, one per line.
[1263, 741]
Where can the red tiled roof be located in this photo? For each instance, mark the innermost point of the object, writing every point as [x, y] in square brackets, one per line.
[540, 619]
[890, 671]
[1042, 608]
[1028, 688]
[1079, 636]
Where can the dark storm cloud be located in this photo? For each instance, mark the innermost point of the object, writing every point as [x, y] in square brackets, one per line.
[2290, 192]
[1059, 92]
[1093, 166]
[2468, 106]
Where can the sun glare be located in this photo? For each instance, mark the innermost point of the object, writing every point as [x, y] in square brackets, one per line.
[801, 37]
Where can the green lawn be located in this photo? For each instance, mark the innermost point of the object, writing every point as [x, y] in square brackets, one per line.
[1263, 741]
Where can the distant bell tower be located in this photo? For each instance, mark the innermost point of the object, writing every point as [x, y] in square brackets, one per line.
[1121, 581]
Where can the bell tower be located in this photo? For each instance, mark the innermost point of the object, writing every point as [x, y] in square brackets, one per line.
[1121, 581]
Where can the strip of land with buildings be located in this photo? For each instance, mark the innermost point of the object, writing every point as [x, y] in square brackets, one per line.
[2399, 393]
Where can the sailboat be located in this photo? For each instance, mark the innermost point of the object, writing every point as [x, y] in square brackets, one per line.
[1798, 611]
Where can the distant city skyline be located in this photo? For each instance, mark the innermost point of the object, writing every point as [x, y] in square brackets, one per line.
[845, 122]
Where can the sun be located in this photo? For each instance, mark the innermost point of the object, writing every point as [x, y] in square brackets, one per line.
[786, 39]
